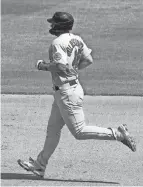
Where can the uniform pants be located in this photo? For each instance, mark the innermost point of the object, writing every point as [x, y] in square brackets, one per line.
[67, 109]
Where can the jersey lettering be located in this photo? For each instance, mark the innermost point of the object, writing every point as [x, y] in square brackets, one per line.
[63, 48]
[73, 43]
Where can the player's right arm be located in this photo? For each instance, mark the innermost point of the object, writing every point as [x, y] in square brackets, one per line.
[86, 57]
[85, 62]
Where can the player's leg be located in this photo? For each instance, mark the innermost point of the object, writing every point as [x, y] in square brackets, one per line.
[55, 125]
[71, 109]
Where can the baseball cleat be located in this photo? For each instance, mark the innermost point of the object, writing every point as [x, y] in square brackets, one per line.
[128, 140]
[31, 159]
[30, 166]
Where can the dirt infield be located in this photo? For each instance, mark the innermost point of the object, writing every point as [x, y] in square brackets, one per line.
[74, 163]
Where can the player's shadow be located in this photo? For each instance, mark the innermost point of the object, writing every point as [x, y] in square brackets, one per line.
[20, 176]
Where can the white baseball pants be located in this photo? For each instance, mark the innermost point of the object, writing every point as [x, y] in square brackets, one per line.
[68, 109]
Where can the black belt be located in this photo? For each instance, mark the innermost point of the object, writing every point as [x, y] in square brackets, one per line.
[71, 83]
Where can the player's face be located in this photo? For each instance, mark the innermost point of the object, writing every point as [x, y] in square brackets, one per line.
[52, 25]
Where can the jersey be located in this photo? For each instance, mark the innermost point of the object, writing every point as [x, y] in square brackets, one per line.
[67, 49]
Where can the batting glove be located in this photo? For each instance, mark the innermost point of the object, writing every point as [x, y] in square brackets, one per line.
[38, 63]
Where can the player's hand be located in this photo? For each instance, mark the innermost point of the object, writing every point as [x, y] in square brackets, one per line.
[39, 62]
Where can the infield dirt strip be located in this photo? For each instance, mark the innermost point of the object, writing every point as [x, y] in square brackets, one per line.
[74, 163]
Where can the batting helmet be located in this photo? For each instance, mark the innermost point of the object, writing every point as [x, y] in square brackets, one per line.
[61, 22]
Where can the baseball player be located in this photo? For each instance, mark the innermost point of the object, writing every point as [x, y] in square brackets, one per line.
[67, 55]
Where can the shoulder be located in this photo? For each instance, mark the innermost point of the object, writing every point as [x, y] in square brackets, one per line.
[77, 37]
[55, 41]
[79, 40]
[53, 46]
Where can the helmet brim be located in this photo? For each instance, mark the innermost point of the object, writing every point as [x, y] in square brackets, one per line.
[50, 20]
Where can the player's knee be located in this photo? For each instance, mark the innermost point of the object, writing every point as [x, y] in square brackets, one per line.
[79, 133]
[79, 136]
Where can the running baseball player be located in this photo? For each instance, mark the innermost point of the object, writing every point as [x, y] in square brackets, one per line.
[68, 54]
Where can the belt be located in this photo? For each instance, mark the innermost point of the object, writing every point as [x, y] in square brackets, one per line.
[66, 85]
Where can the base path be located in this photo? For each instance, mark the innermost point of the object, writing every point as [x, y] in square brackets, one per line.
[74, 163]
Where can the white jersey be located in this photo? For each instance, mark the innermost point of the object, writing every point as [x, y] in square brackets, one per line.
[67, 49]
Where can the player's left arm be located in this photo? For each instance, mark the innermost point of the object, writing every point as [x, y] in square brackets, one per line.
[57, 60]
[52, 67]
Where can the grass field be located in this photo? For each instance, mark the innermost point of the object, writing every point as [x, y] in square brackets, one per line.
[113, 29]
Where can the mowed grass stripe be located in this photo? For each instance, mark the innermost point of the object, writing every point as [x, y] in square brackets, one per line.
[112, 29]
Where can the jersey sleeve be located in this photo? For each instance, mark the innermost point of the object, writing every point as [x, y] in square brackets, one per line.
[85, 50]
[57, 54]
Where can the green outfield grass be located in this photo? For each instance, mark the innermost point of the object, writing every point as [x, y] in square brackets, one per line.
[113, 29]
